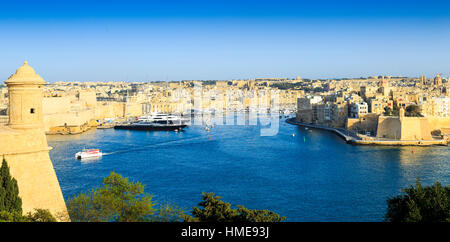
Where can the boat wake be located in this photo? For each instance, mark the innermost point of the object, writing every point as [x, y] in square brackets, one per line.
[144, 147]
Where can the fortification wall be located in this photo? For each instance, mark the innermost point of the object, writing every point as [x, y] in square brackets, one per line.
[351, 123]
[68, 118]
[438, 123]
[24, 146]
[58, 111]
[415, 128]
[26, 153]
[366, 123]
[52, 105]
[405, 128]
[110, 110]
[425, 129]
[117, 110]
[88, 98]
[4, 119]
[389, 127]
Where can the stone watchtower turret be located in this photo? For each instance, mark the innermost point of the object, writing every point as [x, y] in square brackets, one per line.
[25, 99]
[23, 145]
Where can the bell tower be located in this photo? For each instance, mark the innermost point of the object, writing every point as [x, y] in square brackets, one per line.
[25, 98]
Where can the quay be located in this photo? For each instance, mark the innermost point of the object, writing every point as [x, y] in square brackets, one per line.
[348, 136]
[356, 139]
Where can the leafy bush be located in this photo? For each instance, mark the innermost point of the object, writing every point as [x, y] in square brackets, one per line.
[215, 210]
[120, 200]
[420, 204]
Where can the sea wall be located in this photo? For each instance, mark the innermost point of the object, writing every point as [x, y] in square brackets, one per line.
[401, 142]
[75, 118]
[415, 128]
[67, 111]
[26, 153]
[404, 128]
[389, 127]
[365, 123]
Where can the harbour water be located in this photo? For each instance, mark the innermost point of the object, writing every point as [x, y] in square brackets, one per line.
[312, 175]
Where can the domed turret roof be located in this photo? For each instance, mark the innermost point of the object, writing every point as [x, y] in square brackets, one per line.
[25, 75]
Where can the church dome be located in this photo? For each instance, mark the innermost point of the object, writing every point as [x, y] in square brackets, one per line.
[437, 77]
[25, 75]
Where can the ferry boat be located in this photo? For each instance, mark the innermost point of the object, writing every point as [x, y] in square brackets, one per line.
[88, 153]
[156, 122]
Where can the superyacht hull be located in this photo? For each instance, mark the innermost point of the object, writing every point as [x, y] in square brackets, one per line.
[151, 127]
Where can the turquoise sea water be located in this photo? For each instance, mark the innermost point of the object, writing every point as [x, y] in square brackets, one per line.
[312, 176]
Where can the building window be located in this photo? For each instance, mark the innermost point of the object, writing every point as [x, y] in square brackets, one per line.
[32, 110]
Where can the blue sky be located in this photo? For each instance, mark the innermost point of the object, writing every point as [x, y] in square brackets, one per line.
[218, 40]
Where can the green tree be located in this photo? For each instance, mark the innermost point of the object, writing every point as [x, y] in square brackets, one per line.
[214, 210]
[117, 200]
[11, 203]
[253, 215]
[420, 204]
[9, 191]
[387, 111]
[40, 215]
[413, 111]
[14, 216]
[167, 213]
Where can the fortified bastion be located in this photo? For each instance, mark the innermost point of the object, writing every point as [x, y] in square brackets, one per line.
[24, 146]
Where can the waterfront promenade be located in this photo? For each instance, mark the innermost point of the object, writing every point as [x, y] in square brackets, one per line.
[356, 139]
[348, 136]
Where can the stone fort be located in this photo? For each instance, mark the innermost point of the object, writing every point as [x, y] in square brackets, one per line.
[24, 146]
[404, 128]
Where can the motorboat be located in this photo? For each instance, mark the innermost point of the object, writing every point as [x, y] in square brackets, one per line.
[88, 153]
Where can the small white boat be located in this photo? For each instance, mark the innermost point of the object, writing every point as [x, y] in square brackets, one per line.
[88, 153]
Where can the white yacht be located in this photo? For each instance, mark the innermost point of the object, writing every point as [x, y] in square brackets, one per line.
[156, 121]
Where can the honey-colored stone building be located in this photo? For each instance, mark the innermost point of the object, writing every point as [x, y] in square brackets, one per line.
[404, 128]
[24, 146]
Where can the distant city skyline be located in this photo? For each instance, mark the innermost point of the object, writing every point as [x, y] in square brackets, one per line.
[222, 40]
